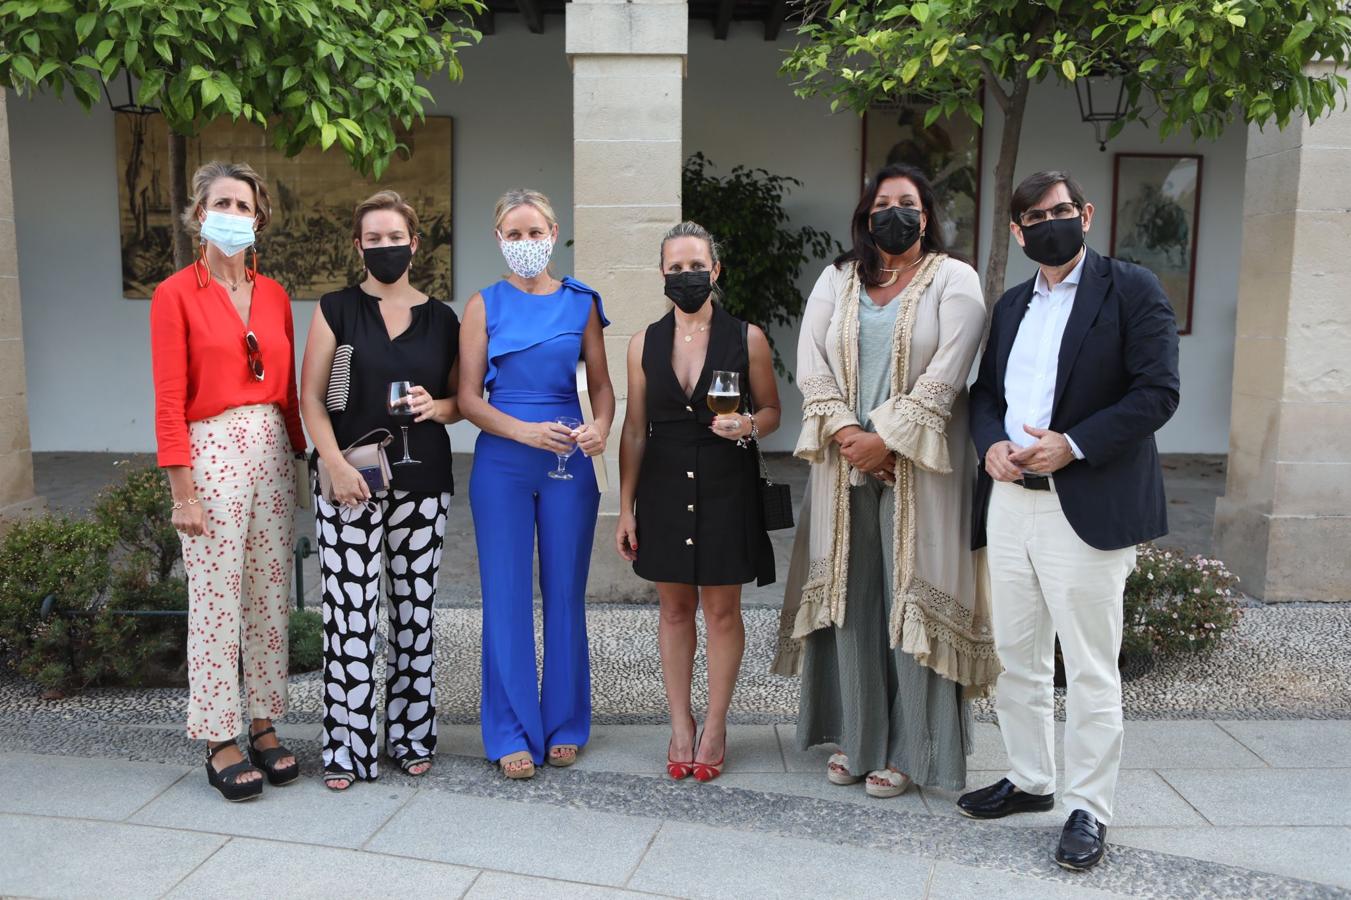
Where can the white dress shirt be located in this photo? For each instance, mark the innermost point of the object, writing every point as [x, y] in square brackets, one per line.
[1029, 379]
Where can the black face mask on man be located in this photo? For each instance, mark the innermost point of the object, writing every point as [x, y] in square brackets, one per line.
[689, 290]
[1055, 241]
[895, 229]
[387, 264]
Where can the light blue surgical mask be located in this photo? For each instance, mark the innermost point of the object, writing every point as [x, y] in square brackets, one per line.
[229, 234]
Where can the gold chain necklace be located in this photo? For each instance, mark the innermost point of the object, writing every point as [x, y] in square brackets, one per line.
[896, 273]
[700, 330]
[234, 285]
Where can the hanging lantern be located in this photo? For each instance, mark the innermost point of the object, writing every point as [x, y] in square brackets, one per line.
[129, 105]
[1102, 101]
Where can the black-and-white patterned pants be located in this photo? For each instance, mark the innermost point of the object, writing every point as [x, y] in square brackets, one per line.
[401, 536]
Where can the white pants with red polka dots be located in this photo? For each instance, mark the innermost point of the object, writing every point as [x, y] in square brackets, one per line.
[239, 576]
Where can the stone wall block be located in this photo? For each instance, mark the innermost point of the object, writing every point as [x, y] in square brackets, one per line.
[13, 424]
[1318, 363]
[1320, 243]
[633, 297]
[11, 371]
[1269, 140]
[1272, 183]
[654, 29]
[1263, 302]
[9, 248]
[16, 473]
[625, 66]
[626, 173]
[1324, 178]
[11, 317]
[4, 128]
[1312, 489]
[616, 354]
[1241, 540]
[626, 236]
[1259, 364]
[633, 108]
[1268, 246]
[1314, 433]
[1307, 558]
[1250, 478]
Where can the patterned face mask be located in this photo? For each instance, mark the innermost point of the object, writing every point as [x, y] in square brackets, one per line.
[527, 258]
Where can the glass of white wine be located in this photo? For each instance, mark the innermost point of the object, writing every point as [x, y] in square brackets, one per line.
[724, 392]
[561, 473]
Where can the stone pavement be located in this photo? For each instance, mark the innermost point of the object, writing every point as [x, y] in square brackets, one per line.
[1214, 809]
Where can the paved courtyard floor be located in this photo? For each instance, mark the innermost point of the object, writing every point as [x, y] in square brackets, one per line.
[1251, 809]
[1234, 780]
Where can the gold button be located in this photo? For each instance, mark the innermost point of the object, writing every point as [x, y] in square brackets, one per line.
[689, 474]
[690, 508]
[689, 409]
[689, 542]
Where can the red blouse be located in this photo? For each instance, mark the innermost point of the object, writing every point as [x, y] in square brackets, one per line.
[200, 363]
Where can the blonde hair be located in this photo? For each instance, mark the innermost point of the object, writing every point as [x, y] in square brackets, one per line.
[694, 230]
[390, 200]
[518, 198]
[208, 174]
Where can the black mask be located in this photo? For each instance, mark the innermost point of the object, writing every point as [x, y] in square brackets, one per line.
[1055, 241]
[895, 229]
[387, 264]
[689, 290]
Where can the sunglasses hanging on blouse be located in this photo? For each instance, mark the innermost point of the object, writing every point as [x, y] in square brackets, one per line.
[255, 355]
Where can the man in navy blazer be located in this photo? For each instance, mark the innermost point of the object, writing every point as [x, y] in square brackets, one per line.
[1079, 372]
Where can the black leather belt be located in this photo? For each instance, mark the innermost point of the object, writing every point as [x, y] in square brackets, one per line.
[1035, 482]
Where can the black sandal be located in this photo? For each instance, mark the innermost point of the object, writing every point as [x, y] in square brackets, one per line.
[266, 760]
[227, 780]
[408, 762]
[347, 778]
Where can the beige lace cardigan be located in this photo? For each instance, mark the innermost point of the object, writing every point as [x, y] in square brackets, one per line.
[939, 611]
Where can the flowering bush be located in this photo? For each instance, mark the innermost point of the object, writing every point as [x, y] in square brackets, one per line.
[1176, 604]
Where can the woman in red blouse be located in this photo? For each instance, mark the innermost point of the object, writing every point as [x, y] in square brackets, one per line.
[228, 425]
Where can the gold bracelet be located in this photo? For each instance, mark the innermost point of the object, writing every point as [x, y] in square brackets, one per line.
[178, 504]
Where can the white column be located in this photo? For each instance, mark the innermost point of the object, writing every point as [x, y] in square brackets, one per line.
[16, 458]
[628, 66]
[1284, 523]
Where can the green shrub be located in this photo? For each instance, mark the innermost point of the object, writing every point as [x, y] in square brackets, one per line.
[306, 640]
[1175, 604]
[139, 513]
[67, 560]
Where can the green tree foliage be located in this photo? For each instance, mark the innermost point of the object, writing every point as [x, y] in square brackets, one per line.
[309, 71]
[312, 72]
[762, 256]
[1189, 65]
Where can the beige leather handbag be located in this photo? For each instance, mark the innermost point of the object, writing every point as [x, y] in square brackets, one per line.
[368, 459]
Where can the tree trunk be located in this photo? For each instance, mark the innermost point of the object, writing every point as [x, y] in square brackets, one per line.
[1005, 165]
[178, 199]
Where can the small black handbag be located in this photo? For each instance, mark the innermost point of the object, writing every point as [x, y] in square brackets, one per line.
[776, 500]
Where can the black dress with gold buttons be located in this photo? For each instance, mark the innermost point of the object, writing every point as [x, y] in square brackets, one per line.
[698, 504]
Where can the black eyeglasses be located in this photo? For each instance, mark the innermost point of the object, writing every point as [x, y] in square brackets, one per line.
[255, 355]
[1065, 210]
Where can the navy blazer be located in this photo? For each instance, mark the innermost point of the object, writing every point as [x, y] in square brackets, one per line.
[1116, 384]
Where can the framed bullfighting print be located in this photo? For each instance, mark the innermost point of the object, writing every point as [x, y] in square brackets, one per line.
[1156, 210]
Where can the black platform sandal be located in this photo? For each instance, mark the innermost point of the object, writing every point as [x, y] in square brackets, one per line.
[227, 780]
[266, 760]
[406, 763]
[333, 778]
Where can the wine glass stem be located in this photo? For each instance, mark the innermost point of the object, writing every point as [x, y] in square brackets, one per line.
[406, 457]
[562, 462]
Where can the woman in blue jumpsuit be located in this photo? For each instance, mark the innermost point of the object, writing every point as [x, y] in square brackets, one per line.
[520, 342]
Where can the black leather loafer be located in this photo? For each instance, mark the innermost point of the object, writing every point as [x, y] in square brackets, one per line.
[1001, 799]
[1082, 843]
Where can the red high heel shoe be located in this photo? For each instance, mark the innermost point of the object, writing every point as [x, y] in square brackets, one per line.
[706, 772]
[678, 769]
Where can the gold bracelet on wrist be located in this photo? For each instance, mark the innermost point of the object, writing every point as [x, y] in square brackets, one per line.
[179, 504]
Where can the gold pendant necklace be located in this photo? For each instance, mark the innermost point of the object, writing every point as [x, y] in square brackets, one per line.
[234, 285]
[896, 273]
[700, 330]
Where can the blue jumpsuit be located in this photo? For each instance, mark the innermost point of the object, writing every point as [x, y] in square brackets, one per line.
[534, 344]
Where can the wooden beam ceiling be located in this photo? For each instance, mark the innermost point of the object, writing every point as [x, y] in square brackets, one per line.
[723, 23]
[778, 10]
[533, 14]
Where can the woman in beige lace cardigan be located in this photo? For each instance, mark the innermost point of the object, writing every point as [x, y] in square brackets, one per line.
[884, 614]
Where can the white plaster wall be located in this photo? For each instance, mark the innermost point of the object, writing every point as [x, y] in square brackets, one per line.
[87, 348]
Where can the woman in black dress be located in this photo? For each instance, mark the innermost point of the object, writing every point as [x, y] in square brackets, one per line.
[690, 513]
[362, 340]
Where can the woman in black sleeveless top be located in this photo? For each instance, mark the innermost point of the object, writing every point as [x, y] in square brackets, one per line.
[362, 338]
[690, 513]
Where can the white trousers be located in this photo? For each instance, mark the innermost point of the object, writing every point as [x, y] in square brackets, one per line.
[1045, 582]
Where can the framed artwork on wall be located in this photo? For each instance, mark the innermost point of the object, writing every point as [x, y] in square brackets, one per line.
[948, 151]
[1156, 211]
[308, 245]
